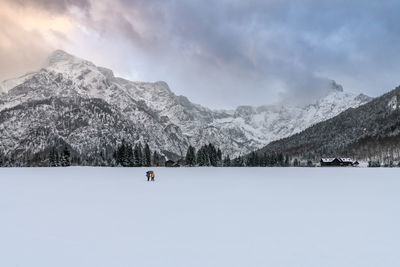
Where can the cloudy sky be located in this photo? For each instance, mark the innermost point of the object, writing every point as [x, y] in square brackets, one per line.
[218, 53]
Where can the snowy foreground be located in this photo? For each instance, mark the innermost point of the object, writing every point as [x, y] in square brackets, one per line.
[82, 217]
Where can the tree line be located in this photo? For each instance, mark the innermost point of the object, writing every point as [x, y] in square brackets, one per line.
[57, 159]
[125, 154]
[209, 155]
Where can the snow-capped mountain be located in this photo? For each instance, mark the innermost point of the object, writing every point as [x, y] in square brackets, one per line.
[87, 107]
[368, 132]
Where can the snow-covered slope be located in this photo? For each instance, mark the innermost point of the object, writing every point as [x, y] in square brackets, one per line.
[368, 132]
[113, 109]
[264, 124]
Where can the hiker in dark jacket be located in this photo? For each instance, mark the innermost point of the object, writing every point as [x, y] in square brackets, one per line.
[148, 175]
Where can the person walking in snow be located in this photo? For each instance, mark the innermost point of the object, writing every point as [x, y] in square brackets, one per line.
[148, 175]
[152, 175]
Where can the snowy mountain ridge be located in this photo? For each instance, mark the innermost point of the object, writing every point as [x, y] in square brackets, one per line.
[141, 111]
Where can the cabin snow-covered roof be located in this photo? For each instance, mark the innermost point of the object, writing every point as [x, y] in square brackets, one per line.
[328, 159]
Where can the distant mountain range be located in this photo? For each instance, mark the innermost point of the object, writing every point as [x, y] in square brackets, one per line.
[371, 131]
[72, 101]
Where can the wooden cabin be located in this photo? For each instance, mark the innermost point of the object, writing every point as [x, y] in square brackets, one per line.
[337, 162]
[346, 162]
[326, 162]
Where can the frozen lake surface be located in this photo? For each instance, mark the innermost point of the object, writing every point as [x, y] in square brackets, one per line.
[189, 217]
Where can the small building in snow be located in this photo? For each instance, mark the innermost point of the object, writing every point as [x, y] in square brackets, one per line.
[338, 162]
[346, 162]
[330, 162]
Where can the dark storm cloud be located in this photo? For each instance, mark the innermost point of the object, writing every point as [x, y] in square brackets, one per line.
[297, 45]
[252, 52]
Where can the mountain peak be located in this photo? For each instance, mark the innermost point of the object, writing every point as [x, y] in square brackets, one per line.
[363, 98]
[61, 61]
[58, 56]
[334, 86]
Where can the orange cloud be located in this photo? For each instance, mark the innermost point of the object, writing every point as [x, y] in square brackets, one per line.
[27, 35]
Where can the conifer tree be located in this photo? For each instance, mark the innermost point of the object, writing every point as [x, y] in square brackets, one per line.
[227, 161]
[156, 159]
[129, 158]
[138, 155]
[147, 156]
[66, 157]
[121, 154]
[191, 156]
[202, 156]
[238, 162]
[253, 160]
[57, 160]
[219, 157]
[52, 158]
[280, 159]
[287, 161]
[212, 156]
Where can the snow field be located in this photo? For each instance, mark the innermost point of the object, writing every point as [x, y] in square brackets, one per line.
[202, 217]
